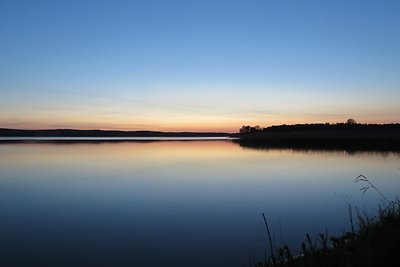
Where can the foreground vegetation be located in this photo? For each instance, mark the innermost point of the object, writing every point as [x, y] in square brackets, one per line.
[372, 241]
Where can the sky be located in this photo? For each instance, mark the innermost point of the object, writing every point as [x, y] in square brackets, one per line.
[197, 65]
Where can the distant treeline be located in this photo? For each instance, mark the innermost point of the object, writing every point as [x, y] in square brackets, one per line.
[101, 133]
[324, 127]
[349, 136]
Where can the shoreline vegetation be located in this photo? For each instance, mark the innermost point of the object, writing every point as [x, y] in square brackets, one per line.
[372, 241]
[349, 136]
[339, 136]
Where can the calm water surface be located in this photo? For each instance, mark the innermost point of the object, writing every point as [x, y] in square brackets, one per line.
[173, 203]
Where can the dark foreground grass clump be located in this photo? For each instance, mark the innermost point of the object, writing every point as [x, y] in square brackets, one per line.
[372, 241]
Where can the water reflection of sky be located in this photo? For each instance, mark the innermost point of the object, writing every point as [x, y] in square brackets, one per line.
[173, 203]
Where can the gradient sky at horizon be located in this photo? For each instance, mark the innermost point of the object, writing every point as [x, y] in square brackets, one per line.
[197, 65]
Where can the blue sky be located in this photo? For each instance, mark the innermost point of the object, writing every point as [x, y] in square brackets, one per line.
[197, 65]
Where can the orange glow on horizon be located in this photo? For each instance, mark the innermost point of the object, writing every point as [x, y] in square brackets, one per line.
[231, 127]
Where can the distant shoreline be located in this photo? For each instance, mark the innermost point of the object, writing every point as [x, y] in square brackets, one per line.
[340, 136]
[59, 133]
[100, 140]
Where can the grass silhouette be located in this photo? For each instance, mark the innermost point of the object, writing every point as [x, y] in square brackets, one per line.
[372, 241]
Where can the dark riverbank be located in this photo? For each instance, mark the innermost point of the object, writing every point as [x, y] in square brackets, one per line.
[373, 241]
[379, 137]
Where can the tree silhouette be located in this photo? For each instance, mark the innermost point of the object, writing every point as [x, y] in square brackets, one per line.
[351, 121]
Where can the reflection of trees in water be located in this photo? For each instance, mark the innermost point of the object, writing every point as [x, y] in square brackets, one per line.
[319, 150]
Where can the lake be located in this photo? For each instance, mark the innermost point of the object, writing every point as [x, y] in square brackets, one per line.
[174, 202]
